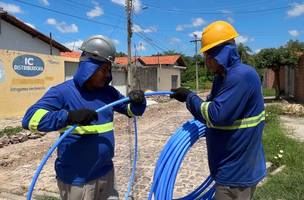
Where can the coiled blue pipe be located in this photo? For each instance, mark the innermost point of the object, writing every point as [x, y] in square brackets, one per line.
[170, 160]
[154, 185]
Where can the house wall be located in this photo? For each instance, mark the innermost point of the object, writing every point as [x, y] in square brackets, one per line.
[24, 78]
[299, 81]
[146, 78]
[268, 78]
[164, 74]
[13, 38]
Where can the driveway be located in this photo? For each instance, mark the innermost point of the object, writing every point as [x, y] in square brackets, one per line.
[295, 125]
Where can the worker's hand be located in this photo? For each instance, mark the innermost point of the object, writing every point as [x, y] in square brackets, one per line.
[137, 97]
[180, 94]
[82, 116]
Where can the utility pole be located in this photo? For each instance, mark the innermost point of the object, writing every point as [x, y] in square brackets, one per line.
[129, 29]
[51, 44]
[196, 66]
[130, 74]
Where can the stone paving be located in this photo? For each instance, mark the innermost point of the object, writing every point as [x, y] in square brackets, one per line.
[152, 138]
[155, 128]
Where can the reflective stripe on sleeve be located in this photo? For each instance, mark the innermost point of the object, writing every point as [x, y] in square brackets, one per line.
[34, 122]
[91, 129]
[130, 113]
[238, 124]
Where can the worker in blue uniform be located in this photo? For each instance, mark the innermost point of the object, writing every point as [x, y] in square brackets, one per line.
[84, 166]
[234, 114]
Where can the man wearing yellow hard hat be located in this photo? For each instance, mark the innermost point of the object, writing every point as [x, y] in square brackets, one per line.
[234, 113]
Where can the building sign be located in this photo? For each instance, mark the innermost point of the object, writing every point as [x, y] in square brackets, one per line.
[28, 65]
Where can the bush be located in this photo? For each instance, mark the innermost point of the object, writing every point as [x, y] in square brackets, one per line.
[9, 131]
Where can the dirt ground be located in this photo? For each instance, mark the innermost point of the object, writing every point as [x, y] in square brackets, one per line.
[295, 125]
[18, 162]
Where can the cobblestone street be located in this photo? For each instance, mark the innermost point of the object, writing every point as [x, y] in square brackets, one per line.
[155, 128]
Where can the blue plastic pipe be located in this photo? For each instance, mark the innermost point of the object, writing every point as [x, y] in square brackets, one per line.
[132, 177]
[170, 160]
[181, 141]
[68, 131]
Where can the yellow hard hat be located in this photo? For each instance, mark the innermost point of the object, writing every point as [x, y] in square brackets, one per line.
[217, 33]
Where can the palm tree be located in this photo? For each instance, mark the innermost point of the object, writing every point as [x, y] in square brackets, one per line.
[245, 53]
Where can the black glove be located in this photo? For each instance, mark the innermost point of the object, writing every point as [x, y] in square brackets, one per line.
[137, 97]
[82, 116]
[180, 94]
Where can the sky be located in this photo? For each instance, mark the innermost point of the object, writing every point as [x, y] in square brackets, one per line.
[160, 26]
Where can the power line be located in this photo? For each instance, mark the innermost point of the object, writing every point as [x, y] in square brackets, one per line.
[70, 15]
[81, 5]
[218, 12]
[150, 41]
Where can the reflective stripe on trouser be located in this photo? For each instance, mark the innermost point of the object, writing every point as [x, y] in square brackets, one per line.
[34, 121]
[102, 188]
[238, 124]
[91, 129]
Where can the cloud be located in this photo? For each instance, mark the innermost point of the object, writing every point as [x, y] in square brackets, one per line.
[62, 26]
[198, 22]
[226, 12]
[95, 12]
[136, 4]
[74, 45]
[257, 50]
[174, 40]
[296, 10]
[243, 39]
[137, 29]
[51, 21]
[179, 27]
[195, 23]
[45, 2]
[31, 25]
[230, 19]
[141, 46]
[198, 33]
[115, 41]
[11, 8]
[294, 33]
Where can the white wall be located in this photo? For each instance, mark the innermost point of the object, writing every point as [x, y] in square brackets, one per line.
[13, 38]
[119, 81]
[164, 74]
[119, 77]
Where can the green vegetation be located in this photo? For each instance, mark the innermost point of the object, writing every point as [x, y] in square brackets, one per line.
[275, 59]
[281, 150]
[188, 77]
[45, 197]
[9, 131]
[268, 92]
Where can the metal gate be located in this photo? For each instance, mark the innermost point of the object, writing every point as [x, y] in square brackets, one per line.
[289, 81]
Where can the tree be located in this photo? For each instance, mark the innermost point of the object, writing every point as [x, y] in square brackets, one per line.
[169, 52]
[274, 59]
[244, 52]
[120, 54]
[295, 45]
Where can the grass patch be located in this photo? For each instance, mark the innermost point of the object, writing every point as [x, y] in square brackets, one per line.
[282, 150]
[268, 92]
[9, 131]
[45, 197]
